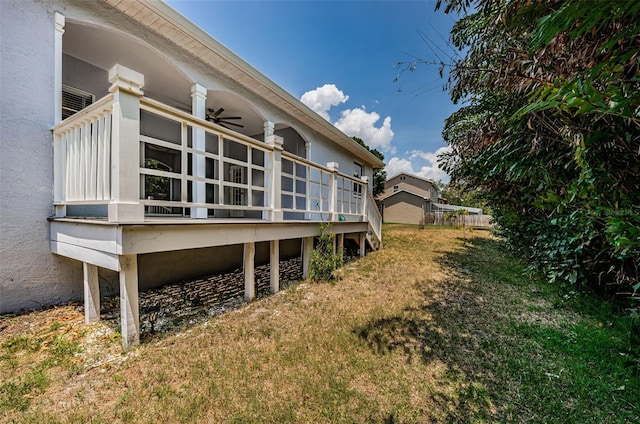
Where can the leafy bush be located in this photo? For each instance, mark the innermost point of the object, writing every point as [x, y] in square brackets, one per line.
[323, 260]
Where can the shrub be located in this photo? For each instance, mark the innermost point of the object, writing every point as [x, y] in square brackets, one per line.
[323, 260]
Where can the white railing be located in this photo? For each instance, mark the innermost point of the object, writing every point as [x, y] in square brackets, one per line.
[82, 154]
[374, 217]
[239, 176]
[237, 172]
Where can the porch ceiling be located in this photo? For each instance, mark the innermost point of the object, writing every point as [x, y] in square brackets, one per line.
[103, 48]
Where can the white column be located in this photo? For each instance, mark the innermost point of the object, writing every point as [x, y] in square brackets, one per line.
[57, 83]
[274, 255]
[269, 129]
[198, 165]
[307, 248]
[249, 271]
[129, 312]
[91, 293]
[364, 196]
[363, 244]
[125, 203]
[273, 183]
[59, 150]
[333, 191]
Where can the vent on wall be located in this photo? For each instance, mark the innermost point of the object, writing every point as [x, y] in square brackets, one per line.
[74, 100]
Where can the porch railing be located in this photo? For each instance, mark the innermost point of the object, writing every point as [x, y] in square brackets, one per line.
[82, 156]
[238, 175]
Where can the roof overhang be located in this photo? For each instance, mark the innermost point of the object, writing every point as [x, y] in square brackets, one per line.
[407, 192]
[171, 25]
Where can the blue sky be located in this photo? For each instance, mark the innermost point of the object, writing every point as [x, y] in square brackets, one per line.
[339, 58]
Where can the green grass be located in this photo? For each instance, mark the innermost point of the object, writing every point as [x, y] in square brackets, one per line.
[26, 361]
[430, 329]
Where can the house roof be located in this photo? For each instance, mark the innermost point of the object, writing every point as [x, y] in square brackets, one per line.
[167, 22]
[405, 191]
[412, 176]
[441, 206]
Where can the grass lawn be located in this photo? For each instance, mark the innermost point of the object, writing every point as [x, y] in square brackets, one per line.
[426, 330]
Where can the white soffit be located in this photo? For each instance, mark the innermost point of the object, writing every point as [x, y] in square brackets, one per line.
[164, 20]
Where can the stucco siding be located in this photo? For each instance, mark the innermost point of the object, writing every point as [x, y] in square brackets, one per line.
[31, 276]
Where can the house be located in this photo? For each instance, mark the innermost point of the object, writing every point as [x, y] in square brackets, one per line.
[138, 150]
[408, 199]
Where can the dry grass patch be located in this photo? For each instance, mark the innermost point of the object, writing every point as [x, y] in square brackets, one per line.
[426, 330]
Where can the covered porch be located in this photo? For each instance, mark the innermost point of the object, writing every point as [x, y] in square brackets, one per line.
[133, 176]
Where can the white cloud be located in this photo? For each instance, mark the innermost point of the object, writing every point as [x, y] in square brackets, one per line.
[420, 163]
[324, 98]
[362, 124]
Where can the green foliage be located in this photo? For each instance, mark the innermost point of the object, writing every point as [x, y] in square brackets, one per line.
[551, 132]
[462, 194]
[323, 260]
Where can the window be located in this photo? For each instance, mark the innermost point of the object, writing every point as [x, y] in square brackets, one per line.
[395, 188]
[74, 100]
[357, 172]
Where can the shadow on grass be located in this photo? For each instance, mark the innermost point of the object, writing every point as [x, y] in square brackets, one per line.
[439, 331]
[510, 353]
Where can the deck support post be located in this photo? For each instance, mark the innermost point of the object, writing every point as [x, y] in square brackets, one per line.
[363, 244]
[91, 293]
[198, 161]
[307, 248]
[341, 244]
[249, 271]
[129, 308]
[274, 265]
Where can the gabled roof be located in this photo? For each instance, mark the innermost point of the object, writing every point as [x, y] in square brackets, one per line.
[412, 176]
[167, 22]
[405, 191]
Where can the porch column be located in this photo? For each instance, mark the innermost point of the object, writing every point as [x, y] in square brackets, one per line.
[307, 248]
[274, 265]
[364, 195]
[363, 244]
[199, 163]
[57, 83]
[333, 191]
[273, 183]
[58, 154]
[129, 315]
[91, 293]
[341, 244]
[249, 271]
[125, 203]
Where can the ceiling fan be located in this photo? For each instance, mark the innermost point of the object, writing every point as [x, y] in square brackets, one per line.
[214, 116]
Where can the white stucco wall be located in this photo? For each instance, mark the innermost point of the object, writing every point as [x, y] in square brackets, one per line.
[30, 275]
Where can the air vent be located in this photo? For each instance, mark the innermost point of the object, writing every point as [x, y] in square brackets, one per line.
[74, 100]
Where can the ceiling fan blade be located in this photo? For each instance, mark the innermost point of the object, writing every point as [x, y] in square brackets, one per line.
[218, 112]
[230, 123]
[230, 117]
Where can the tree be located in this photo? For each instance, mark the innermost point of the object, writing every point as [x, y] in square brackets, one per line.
[463, 194]
[379, 174]
[550, 132]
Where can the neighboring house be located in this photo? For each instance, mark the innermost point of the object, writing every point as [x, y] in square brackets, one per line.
[137, 150]
[407, 199]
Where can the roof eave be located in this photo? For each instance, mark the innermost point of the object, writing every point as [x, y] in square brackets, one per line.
[239, 70]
